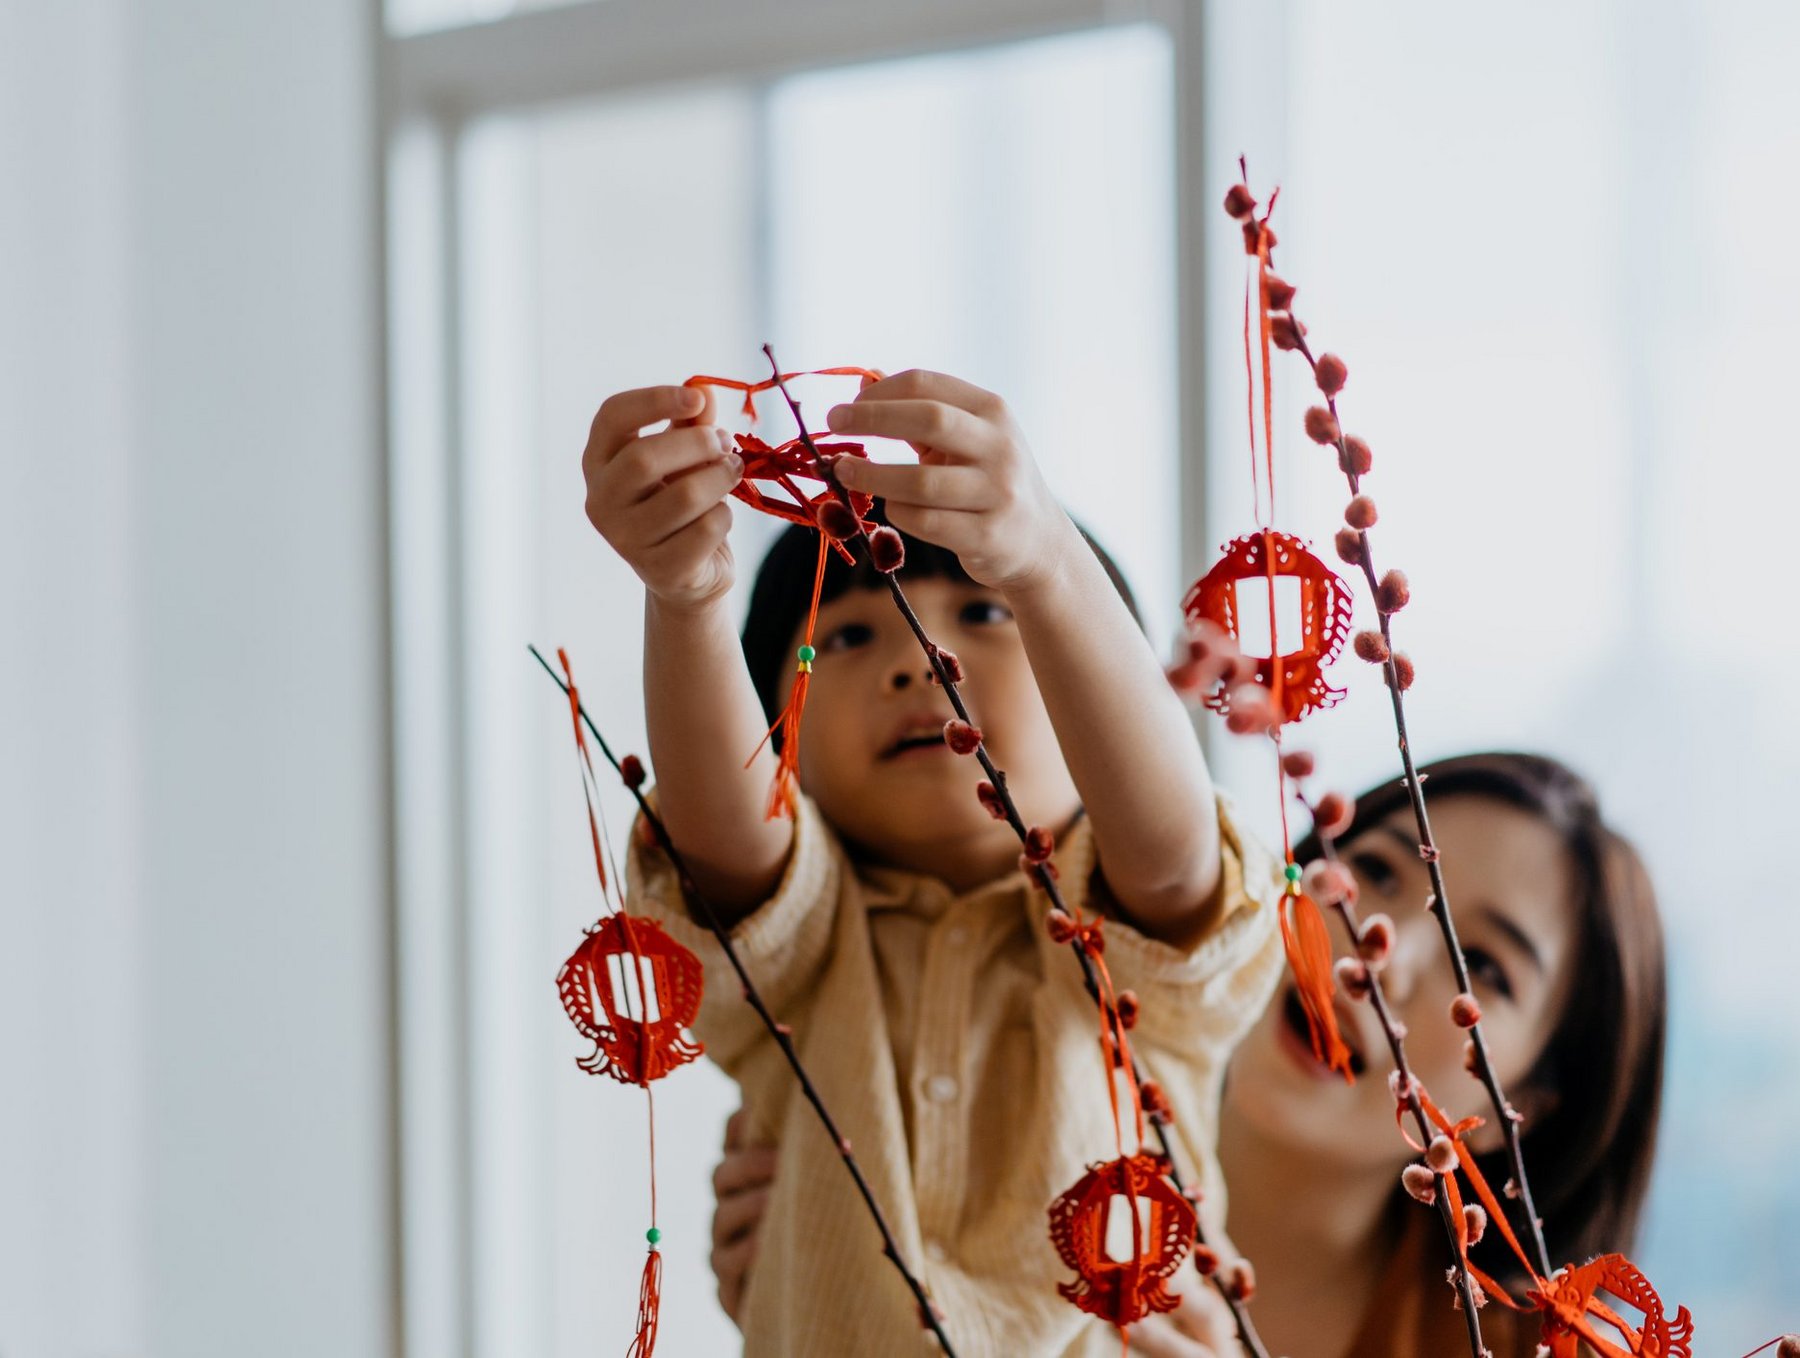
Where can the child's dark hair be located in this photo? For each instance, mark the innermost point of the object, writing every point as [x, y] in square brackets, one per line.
[1589, 1154]
[783, 589]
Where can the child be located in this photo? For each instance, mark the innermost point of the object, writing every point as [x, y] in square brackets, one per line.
[889, 922]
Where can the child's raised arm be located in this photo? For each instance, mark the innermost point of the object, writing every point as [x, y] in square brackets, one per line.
[659, 499]
[1124, 733]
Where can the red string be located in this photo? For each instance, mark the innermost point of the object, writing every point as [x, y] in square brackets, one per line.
[784, 790]
[750, 389]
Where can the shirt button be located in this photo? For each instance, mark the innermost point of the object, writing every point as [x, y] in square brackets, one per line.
[935, 1252]
[941, 1088]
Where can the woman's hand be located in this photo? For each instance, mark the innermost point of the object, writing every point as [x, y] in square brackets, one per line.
[976, 488]
[659, 499]
[741, 1186]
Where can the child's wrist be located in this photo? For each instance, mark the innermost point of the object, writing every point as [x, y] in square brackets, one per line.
[1063, 548]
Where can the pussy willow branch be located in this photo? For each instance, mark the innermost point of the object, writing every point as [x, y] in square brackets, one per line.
[1090, 980]
[1395, 1033]
[1428, 851]
[779, 1031]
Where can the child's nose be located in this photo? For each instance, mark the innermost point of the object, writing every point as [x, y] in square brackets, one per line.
[907, 674]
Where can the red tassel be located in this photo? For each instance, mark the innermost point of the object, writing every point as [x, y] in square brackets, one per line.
[649, 1307]
[784, 792]
[1308, 946]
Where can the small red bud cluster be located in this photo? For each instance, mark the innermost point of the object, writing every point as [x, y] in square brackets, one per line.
[1360, 513]
[1251, 710]
[1375, 944]
[989, 797]
[836, 520]
[631, 769]
[947, 659]
[1371, 646]
[1039, 844]
[887, 551]
[961, 737]
[1420, 1182]
[1127, 1006]
[1212, 659]
[1464, 1011]
[1353, 977]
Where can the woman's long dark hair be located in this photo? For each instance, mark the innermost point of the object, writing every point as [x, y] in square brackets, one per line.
[1590, 1154]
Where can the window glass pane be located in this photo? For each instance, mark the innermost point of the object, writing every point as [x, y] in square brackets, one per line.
[1554, 269]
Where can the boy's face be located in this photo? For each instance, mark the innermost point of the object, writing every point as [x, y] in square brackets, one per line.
[872, 753]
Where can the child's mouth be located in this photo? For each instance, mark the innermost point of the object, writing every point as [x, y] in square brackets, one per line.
[918, 733]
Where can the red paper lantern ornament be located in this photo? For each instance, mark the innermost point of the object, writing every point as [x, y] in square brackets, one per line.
[1568, 1300]
[1122, 1291]
[632, 1047]
[1295, 678]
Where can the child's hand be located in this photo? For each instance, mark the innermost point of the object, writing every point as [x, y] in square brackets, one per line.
[976, 489]
[659, 500]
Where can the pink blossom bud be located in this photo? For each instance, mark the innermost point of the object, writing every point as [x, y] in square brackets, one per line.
[1278, 291]
[1371, 646]
[1333, 814]
[1251, 709]
[1464, 1011]
[1240, 1280]
[961, 737]
[1393, 593]
[1355, 457]
[1352, 978]
[1360, 513]
[1060, 925]
[1441, 1155]
[1155, 1103]
[1420, 1182]
[1206, 1260]
[989, 797]
[1038, 871]
[1349, 546]
[1285, 333]
[1039, 844]
[1327, 882]
[1403, 676]
[1297, 763]
[1475, 1220]
[1400, 1085]
[1790, 1346]
[1330, 373]
[1239, 201]
[631, 769]
[835, 519]
[1321, 425]
[952, 666]
[1128, 1008]
[887, 551]
[1241, 670]
[1375, 944]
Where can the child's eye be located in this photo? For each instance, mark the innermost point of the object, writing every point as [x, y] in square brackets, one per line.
[984, 612]
[847, 637]
[1375, 870]
[1485, 969]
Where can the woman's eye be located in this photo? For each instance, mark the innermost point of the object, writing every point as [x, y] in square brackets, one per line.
[984, 612]
[1375, 870]
[1485, 970]
[848, 636]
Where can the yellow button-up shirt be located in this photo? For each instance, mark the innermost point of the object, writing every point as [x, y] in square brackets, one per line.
[955, 1045]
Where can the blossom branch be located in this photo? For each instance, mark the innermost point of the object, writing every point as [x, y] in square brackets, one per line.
[1234, 1283]
[631, 773]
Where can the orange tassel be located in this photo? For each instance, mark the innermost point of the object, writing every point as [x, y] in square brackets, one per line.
[1308, 946]
[784, 792]
[649, 1307]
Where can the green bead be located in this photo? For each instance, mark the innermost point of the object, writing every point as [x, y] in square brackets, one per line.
[806, 655]
[653, 1235]
[1293, 872]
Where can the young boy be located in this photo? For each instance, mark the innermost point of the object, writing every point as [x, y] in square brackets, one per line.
[889, 923]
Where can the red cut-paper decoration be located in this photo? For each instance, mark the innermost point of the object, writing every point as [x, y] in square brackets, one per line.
[786, 467]
[1297, 677]
[627, 1047]
[1121, 1292]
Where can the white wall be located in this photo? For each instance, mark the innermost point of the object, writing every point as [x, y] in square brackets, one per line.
[193, 839]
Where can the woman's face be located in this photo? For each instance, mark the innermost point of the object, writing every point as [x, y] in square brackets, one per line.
[1512, 897]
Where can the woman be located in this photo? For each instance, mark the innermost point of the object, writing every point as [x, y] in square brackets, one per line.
[1558, 921]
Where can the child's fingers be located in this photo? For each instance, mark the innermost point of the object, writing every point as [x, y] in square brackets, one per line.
[957, 529]
[707, 412]
[731, 1267]
[737, 1130]
[620, 417]
[923, 384]
[924, 423]
[936, 486]
[644, 465]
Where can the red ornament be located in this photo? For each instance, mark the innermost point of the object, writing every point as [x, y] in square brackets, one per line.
[1122, 1291]
[627, 1047]
[1296, 679]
